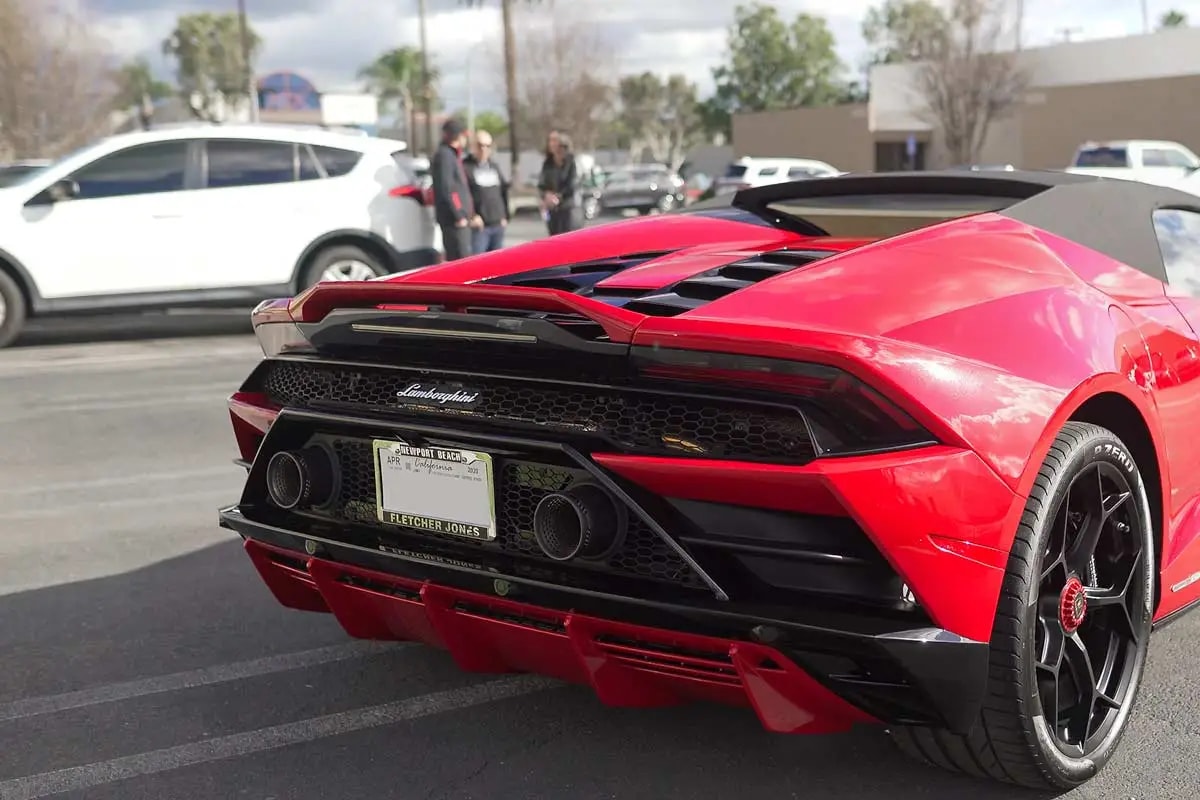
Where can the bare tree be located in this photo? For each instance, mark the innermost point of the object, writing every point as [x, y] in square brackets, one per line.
[969, 79]
[57, 83]
[562, 78]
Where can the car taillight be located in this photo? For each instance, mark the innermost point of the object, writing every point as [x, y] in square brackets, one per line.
[422, 196]
[844, 414]
[276, 331]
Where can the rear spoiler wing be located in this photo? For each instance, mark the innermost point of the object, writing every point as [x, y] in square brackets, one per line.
[316, 303]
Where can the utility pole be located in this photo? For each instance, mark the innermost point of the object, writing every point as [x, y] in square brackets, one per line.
[426, 95]
[251, 87]
[1020, 21]
[470, 95]
[1145, 17]
[1067, 33]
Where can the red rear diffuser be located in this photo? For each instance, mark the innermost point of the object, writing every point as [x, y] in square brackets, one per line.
[626, 665]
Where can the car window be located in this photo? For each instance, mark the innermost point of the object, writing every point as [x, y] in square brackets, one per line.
[337, 162]
[1153, 157]
[141, 169]
[1102, 157]
[768, 171]
[1179, 240]
[735, 170]
[800, 172]
[1178, 158]
[236, 162]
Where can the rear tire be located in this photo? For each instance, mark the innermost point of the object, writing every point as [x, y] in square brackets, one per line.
[342, 262]
[12, 310]
[1042, 637]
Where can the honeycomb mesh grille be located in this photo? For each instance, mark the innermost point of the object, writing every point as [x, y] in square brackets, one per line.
[521, 484]
[637, 422]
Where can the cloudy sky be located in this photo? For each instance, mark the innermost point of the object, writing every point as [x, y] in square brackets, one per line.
[328, 40]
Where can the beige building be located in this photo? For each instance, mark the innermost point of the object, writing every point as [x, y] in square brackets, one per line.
[1136, 87]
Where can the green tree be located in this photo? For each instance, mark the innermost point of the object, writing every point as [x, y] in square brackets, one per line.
[512, 97]
[396, 74]
[136, 83]
[775, 65]
[902, 30]
[659, 115]
[1173, 19]
[714, 117]
[210, 70]
[491, 121]
[137, 87]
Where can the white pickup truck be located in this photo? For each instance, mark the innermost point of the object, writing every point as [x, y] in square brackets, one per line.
[1145, 160]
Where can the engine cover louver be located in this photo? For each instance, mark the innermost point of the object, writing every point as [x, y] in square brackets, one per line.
[699, 290]
[580, 277]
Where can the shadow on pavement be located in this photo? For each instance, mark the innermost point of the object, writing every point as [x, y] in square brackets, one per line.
[208, 608]
[70, 330]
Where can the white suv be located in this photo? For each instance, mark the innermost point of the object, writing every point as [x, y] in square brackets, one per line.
[203, 214]
[746, 172]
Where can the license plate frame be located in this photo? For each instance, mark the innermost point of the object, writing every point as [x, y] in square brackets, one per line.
[441, 478]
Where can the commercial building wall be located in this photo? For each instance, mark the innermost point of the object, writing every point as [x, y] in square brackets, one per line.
[835, 134]
[1135, 90]
[1054, 121]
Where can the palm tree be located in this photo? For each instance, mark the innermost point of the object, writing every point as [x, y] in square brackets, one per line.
[1173, 19]
[510, 76]
[395, 74]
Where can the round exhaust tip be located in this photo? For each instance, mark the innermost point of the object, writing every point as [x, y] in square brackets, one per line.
[300, 478]
[583, 521]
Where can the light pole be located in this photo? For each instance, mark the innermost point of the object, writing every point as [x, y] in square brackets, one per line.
[470, 94]
[1145, 17]
[251, 88]
[426, 98]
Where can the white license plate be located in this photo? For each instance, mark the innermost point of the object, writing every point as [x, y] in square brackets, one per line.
[435, 489]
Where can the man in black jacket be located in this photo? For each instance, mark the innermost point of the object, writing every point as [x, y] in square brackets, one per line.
[452, 203]
[489, 192]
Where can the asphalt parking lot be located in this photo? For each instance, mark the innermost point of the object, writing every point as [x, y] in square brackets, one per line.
[140, 656]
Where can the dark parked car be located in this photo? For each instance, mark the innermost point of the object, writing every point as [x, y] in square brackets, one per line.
[642, 189]
[12, 172]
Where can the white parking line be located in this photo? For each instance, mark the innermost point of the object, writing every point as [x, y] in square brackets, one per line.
[178, 500]
[50, 704]
[240, 744]
[122, 480]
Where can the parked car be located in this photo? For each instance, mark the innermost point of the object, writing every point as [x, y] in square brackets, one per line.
[207, 215]
[1147, 160]
[746, 173]
[641, 188]
[13, 171]
[776, 459]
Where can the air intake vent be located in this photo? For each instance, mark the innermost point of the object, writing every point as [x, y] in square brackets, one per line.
[714, 284]
[578, 278]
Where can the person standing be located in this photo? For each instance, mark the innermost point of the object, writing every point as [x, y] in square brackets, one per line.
[543, 193]
[453, 207]
[489, 193]
[559, 184]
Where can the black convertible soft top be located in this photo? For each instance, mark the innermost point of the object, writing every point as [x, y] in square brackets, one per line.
[1108, 215]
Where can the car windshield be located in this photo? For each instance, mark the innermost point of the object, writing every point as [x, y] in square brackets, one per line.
[735, 170]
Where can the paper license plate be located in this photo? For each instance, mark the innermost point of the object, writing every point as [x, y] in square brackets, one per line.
[435, 489]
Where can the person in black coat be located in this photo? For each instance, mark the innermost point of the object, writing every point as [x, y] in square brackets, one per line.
[559, 185]
[453, 205]
[489, 191]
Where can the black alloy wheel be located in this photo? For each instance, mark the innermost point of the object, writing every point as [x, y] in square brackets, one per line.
[1072, 626]
[1089, 651]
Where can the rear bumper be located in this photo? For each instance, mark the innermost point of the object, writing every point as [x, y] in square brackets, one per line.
[802, 674]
